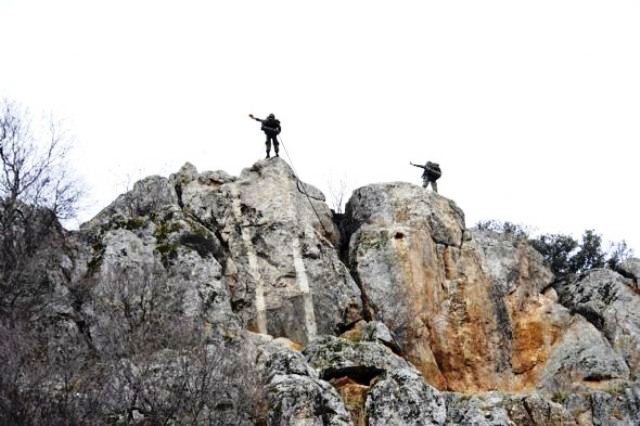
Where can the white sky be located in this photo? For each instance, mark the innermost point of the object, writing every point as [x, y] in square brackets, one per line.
[531, 108]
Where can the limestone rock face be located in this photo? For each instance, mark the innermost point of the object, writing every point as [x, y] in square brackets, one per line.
[505, 410]
[402, 397]
[609, 301]
[176, 262]
[282, 267]
[297, 397]
[148, 258]
[582, 355]
[467, 307]
[378, 386]
[616, 405]
[205, 298]
[630, 268]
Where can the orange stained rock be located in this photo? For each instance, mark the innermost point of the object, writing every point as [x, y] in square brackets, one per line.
[354, 396]
[534, 334]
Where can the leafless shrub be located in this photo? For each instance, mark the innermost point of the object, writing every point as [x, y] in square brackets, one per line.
[338, 193]
[34, 169]
[35, 192]
[113, 347]
[205, 384]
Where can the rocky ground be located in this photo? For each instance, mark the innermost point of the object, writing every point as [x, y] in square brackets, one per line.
[211, 299]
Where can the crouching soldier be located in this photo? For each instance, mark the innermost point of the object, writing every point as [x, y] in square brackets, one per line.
[430, 175]
[271, 128]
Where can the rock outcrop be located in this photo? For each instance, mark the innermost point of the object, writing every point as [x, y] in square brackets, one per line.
[281, 267]
[467, 306]
[609, 301]
[205, 298]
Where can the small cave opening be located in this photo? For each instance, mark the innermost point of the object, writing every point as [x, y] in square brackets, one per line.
[399, 236]
[360, 374]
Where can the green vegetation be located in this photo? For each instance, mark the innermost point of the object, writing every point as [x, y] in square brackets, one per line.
[164, 229]
[562, 253]
[98, 253]
[168, 249]
[134, 223]
[560, 396]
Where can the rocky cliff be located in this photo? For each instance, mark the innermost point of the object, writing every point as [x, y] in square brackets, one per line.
[211, 299]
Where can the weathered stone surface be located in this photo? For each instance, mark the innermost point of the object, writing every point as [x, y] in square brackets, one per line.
[204, 385]
[466, 307]
[285, 361]
[209, 279]
[617, 404]
[477, 411]
[495, 409]
[630, 268]
[372, 331]
[606, 299]
[160, 266]
[301, 400]
[295, 394]
[380, 387]
[403, 398]
[393, 253]
[283, 270]
[148, 195]
[335, 357]
[582, 355]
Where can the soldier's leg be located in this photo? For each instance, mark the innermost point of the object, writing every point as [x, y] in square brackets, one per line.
[425, 182]
[268, 147]
[434, 185]
[276, 146]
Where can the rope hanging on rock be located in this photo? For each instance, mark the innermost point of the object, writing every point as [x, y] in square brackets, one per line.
[302, 190]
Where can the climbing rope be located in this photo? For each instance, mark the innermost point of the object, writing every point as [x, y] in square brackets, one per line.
[309, 197]
[302, 190]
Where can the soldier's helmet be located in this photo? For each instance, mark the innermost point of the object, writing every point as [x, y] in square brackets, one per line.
[271, 116]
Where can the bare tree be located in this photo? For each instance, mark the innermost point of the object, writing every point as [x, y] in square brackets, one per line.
[338, 193]
[33, 161]
[35, 191]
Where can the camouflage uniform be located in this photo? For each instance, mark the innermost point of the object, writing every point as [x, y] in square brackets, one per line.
[271, 128]
[430, 175]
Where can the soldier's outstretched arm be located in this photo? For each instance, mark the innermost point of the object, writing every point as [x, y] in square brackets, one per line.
[255, 118]
[416, 165]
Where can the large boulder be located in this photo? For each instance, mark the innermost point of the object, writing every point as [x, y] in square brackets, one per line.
[496, 409]
[283, 269]
[466, 306]
[610, 302]
[148, 269]
[297, 397]
[378, 386]
[403, 398]
[630, 268]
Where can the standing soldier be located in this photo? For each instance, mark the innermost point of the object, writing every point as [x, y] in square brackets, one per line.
[431, 174]
[271, 128]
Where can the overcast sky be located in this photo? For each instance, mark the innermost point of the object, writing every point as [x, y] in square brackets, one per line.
[531, 108]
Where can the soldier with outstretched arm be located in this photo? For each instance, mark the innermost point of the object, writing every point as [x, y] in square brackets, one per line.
[430, 175]
[271, 128]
